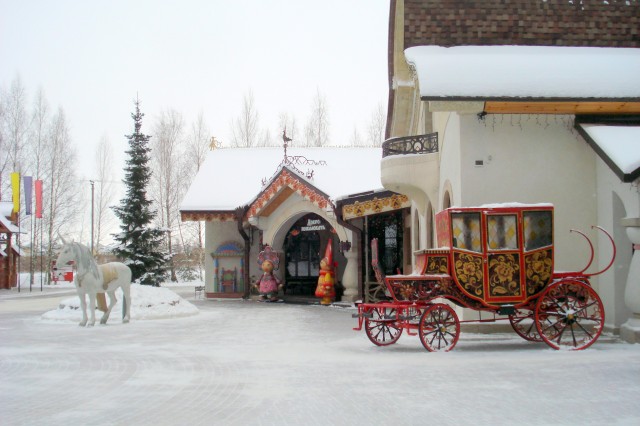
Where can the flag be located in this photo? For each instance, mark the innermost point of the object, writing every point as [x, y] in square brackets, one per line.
[38, 185]
[15, 186]
[28, 186]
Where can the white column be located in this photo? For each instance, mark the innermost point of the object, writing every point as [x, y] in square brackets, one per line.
[630, 330]
[350, 275]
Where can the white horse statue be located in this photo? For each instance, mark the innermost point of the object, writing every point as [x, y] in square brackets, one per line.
[92, 278]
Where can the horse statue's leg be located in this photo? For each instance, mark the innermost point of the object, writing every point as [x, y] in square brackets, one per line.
[92, 309]
[126, 293]
[83, 306]
[112, 302]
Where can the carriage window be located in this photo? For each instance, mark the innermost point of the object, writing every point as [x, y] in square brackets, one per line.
[538, 229]
[502, 232]
[466, 231]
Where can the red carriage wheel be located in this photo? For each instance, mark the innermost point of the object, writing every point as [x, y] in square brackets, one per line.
[569, 315]
[524, 323]
[439, 328]
[382, 328]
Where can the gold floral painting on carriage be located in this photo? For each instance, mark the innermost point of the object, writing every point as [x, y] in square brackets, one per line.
[501, 255]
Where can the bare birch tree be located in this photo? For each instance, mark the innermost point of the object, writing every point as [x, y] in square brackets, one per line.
[317, 128]
[197, 147]
[166, 154]
[15, 128]
[356, 140]
[377, 125]
[61, 192]
[245, 129]
[104, 191]
[288, 123]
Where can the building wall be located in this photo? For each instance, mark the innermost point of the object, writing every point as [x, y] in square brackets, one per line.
[533, 159]
[217, 233]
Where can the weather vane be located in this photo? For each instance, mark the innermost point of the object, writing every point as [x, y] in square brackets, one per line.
[285, 139]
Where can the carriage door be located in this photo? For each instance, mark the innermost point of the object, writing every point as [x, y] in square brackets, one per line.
[503, 259]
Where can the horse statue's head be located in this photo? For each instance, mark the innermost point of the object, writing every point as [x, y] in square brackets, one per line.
[77, 254]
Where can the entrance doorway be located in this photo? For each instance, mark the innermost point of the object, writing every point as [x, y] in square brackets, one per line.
[302, 247]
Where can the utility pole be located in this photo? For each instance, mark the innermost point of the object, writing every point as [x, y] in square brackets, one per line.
[92, 192]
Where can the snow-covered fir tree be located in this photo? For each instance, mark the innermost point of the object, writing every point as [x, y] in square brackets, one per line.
[139, 243]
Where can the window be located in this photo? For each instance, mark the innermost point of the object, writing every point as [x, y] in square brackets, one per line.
[538, 229]
[466, 231]
[502, 232]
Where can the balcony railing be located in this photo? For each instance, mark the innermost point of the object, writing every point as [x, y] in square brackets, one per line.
[420, 144]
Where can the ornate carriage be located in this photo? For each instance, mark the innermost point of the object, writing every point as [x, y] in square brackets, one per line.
[496, 259]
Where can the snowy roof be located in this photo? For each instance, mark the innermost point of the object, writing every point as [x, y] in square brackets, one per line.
[232, 177]
[6, 207]
[8, 224]
[618, 146]
[546, 72]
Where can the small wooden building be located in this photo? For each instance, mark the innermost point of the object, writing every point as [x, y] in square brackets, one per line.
[9, 251]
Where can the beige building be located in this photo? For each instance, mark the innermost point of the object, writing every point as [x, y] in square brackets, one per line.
[531, 102]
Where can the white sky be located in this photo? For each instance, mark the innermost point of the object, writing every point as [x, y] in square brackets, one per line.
[92, 58]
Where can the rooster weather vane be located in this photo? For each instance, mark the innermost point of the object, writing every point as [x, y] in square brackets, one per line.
[296, 160]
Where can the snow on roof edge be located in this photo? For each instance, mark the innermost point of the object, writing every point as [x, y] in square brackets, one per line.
[533, 72]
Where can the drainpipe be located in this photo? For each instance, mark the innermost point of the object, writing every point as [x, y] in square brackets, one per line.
[240, 212]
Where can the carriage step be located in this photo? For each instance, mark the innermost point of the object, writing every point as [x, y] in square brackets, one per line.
[362, 315]
[407, 317]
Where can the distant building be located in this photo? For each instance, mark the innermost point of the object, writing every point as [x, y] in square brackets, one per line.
[523, 101]
[9, 250]
[296, 202]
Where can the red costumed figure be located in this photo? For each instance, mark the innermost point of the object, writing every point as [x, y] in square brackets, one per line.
[325, 289]
[268, 284]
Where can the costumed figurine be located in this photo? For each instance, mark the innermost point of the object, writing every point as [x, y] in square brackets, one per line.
[326, 290]
[268, 284]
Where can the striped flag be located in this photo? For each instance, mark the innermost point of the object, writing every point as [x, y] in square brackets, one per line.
[28, 186]
[38, 188]
[15, 186]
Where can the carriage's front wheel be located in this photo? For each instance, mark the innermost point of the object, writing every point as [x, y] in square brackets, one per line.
[523, 322]
[569, 315]
[439, 328]
[382, 328]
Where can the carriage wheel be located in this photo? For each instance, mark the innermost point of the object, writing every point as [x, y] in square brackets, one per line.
[382, 328]
[439, 328]
[524, 323]
[569, 315]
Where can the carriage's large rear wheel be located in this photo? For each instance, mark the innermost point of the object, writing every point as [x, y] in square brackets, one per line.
[569, 315]
[523, 322]
[382, 328]
[439, 328]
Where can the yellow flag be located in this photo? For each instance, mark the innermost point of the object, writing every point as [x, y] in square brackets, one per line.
[15, 185]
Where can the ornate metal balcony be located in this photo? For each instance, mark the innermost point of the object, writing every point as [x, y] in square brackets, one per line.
[420, 144]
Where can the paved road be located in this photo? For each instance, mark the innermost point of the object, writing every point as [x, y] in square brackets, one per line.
[248, 363]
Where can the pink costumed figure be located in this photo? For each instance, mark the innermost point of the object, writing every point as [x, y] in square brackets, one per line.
[268, 284]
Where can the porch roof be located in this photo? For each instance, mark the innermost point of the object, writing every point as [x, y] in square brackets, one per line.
[526, 72]
[233, 177]
[617, 145]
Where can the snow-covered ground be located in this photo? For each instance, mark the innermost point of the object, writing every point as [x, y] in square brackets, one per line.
[242, 362]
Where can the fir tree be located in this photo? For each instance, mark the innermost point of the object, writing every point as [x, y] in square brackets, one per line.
[139, 243]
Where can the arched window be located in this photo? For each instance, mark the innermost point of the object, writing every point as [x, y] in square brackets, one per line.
[446, 203]
[430, 242]
[416, 230]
